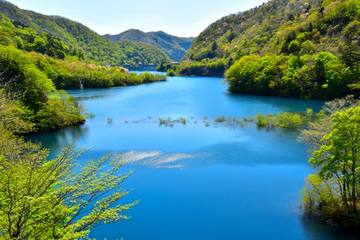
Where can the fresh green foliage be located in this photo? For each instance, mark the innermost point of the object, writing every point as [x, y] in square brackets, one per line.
[263, 121]
[204, 68]
[214, 68]
[13, 115]
[290, 121]
[62, 38]
[174, 47]
[55, 199]
[319, 124]
[28, 39]
[321, 75]
[38, 99]
[333, 192]
[75, 74]
[171, 73]
[285, 120]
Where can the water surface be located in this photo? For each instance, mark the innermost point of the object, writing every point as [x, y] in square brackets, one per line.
[200, 180]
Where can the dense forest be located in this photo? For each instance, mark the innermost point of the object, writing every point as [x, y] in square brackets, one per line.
[303, 49]
[74, 39]
[174, 47]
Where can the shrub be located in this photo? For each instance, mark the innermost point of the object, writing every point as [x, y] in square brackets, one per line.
[289, 120]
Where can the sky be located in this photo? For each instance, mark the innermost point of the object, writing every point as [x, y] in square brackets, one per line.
[185, 18]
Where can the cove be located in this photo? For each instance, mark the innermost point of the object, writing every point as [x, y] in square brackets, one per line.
[197, 180]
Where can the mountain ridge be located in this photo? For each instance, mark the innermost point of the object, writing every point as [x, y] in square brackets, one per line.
[175, 47]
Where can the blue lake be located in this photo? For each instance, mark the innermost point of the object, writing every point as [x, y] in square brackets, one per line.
[199, 180]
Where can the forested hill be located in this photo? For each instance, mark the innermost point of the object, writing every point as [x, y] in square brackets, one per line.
[298, 48]
[80, 41]
[271, 27]
[175, 47]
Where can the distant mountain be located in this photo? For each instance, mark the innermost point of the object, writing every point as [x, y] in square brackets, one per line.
[84, 42]
[174, 47]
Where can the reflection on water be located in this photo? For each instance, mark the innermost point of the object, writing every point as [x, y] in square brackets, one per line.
[199, 180]
[317, 230]
[57, 140]
[91, 97]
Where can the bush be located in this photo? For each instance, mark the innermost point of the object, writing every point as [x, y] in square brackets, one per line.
[289, 120]
[171, 73]
[220, 119]
[263, 121]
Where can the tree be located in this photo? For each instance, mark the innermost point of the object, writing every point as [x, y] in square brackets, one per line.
[338, 156]
[294, 46]
[13, 115]
[321, 125]
[55, 199]
[351, 47]
[307, 47]
[333, 192]
[40, 44]
[332, 74]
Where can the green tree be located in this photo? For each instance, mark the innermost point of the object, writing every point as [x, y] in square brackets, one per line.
[40, 44]
[351, 47]
[13, 115]
[333, 192]
[338, 156]
[308, 47]
[294, 46]
[56, 199]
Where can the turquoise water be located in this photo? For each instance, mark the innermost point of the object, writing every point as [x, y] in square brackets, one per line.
[201, 180]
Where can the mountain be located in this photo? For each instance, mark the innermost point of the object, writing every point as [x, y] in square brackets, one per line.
[271, 27]
[291, 48]
[174, 47]
[84, 42]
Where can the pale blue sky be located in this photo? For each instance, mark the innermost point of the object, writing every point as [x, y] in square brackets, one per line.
[178, 17]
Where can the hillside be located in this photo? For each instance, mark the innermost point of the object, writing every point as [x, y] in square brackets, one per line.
[83, 42]
[297, 48]
[271, 27]
[174, 47]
